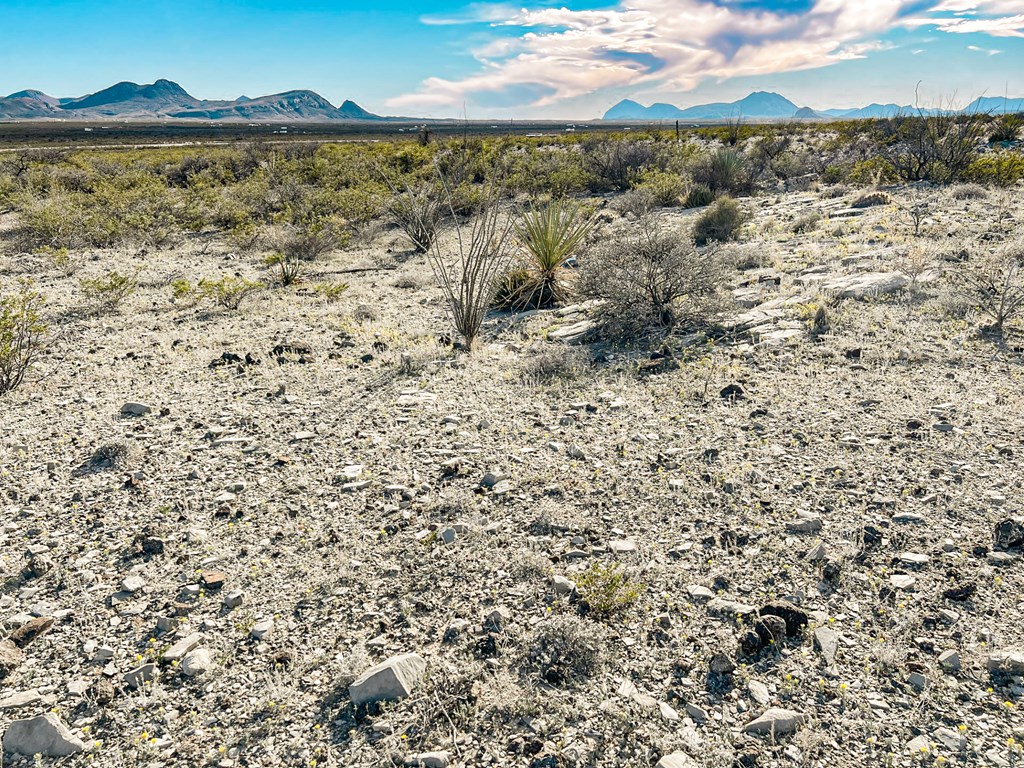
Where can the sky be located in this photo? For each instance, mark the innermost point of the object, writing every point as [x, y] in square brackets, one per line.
[528, 59]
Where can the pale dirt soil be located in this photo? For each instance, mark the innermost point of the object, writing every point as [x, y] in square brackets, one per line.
[703, 486]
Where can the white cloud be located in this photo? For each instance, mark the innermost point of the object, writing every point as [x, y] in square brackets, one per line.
[540, 57]
[979, 49]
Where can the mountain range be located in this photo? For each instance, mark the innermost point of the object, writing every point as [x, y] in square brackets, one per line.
[165, 99]
[762, 105]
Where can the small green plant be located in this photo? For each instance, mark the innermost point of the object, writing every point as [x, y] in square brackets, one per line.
[1006, 128]
[607, 590]
[720, 223]
[183, 292]
[23, 334]
[699, 196]
[330, 292]
[64, 261]
[229, 292]
[108, 291]
[551, 236]
[288, 270]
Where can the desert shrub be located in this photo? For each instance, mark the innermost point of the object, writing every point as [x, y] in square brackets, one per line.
[808, 222]
[469, 278]
[994, 284]
[108, 291]
[64, 260]
[552, 364]
[307, 242]
[287, 270]
[330, 292]
[566, 650]
[418, 213]
[228, 292]
[719, 223]
[618, 163]
[23, 334]
[607, 590]
[938, 146]
[871, 199]
[652, 278]
[635, 202]
[723, 172]
[969, 192]
[666, 189]
[1006, 128]
[550, 235]
[700, 195]
[1003, 168]
[914, 262]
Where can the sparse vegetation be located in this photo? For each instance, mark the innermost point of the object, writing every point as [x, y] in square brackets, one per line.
[994, 284]
[106, 292]
[23, 334]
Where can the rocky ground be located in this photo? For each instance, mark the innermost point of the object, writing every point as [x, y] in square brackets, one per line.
[216, 523]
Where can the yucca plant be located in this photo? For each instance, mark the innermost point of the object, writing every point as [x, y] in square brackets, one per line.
[551, 236]
[289, 270]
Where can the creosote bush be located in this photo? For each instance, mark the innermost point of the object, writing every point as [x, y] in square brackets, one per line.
[720, 223]
[653, 279]
[607, 590]
[227, 292]
[108, 291]
[23, 334]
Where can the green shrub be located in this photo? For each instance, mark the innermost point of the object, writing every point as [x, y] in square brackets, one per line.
[720, 223]
[666, 189]
[108, 291]
[607, 590]
[1002, 168]
[330, 292]
[807, 223]
[23, 334]
[699, 196]
[228, 292]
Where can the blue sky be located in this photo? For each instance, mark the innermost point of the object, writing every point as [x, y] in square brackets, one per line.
[523, 59]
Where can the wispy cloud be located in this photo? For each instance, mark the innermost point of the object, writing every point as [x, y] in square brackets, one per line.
[542, 56]
[987, 51]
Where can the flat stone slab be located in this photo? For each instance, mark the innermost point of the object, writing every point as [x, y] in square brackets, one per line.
[390, 680]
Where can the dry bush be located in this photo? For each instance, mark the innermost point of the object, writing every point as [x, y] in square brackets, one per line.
[969, 192]
[994, 284]
[552, 364]
[653, 278]
[619, 162]
[23, 334]
[566, 650]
